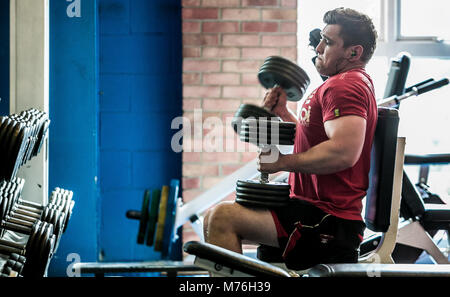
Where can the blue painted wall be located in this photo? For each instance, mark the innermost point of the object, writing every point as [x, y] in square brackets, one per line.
[4, 57]
[73, 136]
[140, 94]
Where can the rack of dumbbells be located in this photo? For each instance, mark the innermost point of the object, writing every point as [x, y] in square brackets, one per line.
[29, 232]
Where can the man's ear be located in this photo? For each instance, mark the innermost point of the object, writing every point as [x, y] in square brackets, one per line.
[355, 52]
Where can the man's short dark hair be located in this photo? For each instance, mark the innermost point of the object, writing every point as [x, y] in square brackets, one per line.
[356, 29]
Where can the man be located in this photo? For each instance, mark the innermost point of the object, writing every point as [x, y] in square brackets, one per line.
[329, 165]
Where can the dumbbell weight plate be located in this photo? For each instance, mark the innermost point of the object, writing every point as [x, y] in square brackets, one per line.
[263, 192]
[252, 203]
[255, 184]
[291, 66]
[257, 141]
[252, 122]
[271, 78]
[249, 110]
[267, 135]
[297, 74]
[255, 197]
[288, 80]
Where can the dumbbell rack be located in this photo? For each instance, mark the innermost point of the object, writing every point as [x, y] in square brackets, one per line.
[29, 232]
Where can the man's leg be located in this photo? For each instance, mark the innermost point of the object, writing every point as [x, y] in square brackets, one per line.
[228, 224]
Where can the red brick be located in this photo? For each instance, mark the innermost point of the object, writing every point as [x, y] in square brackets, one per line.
[288, 27]
[191, 78]
[191, 183]
[191, 104]
[185, 3]
[189, 195]
[220, 3]
[200, 13]
[259, 2]
[221, 52]
[191, 52]
[289, 3]
[221, 104]
[229, 169]
[201, 91]
[221, 157]
[220, 27]
[240, 14]
[209, 182]
[193, 170]
[191, 157]
[289, 53]
[240, 92]
[221, 79]
[250, 79]
[200, 39]
[191, 27]
[279, 14]
[260, 27]
[248, 156]
[201, 65]
[241, 66]
[240, 39]
[259, 52]
[279, 40]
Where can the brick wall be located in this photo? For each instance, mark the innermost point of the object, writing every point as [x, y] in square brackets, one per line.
[224, 44]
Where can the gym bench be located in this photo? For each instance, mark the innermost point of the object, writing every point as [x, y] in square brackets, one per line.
[171, 268]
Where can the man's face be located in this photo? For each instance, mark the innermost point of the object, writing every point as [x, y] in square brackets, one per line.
[331, 54]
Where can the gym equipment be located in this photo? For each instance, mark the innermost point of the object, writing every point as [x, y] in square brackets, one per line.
[279, 71]
[21, 137]
[13, 267]
[157, 218]
[382, 206]
[38, 249]
[264, 134]
[24, 213]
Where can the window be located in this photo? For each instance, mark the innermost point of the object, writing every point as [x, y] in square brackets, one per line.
[425, 21]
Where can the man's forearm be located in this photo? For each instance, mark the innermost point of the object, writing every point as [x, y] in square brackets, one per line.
[324, 158]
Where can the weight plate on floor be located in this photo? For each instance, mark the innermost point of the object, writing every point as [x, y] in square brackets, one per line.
[144, 217]
[170, 217]
[153, 216]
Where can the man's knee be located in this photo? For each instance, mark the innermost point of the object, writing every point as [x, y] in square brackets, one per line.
[220, 216]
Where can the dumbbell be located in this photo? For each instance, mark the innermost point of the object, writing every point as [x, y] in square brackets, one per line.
[55, 214]
[60, 200]
[14, 265]
[264, 134]
[38, 249]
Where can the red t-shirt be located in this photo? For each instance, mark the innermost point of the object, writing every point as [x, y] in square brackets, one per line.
[339, 194]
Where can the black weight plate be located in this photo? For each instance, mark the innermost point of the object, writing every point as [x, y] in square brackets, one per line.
[269, 79]
[264, 138]
[249, 110]
[247, 132]
[289, 77]
[264, 192]
[269, 123]
[255, 184]
[291, 68]
[261, 197]
[144, 217]
[268, 142]
[265, 204]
